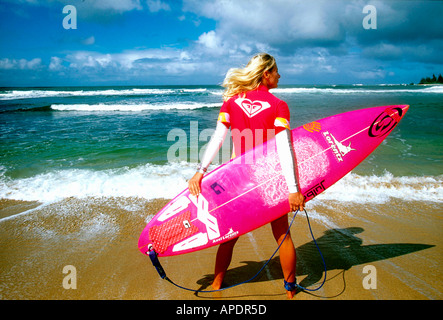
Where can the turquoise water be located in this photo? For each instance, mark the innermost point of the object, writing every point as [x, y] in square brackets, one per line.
[111, 141]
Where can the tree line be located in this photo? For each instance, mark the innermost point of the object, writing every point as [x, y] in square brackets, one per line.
[434, 79]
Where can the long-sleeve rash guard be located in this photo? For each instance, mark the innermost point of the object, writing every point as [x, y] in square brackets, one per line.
[259, 113]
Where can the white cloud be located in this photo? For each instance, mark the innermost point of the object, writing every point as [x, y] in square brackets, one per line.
[89, 41]
[114, 5]
[157, 5]
[370, 74]
[298, 33]
[6, 64]
[274, 22]
[119, 5]
[87, 60]
[106, 5]
[210, 40]
[321, 38]
[20, 64]
[55, 64]
[176, 68]
[30, 65]
[141, 63]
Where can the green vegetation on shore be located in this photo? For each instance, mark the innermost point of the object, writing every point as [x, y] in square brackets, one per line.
[434, 79]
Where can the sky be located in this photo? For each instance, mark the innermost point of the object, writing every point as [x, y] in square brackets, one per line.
[195, 42]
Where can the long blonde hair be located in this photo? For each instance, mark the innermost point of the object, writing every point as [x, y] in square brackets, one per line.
[242, 80]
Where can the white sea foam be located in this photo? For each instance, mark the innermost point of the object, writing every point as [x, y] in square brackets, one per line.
[148, 181]
[166, 181]
[31, 94]
[132, 107]
[380, 189]
[358, 90]
[41, 93]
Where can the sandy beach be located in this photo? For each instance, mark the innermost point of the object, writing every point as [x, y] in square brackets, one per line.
[98, 236]
[77, 188]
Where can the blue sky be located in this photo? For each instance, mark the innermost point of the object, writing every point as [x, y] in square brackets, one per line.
[156, 42]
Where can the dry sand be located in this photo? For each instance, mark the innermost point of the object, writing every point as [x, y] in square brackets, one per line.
[98, 236]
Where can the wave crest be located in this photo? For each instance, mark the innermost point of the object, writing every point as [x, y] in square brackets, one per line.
[152, 181]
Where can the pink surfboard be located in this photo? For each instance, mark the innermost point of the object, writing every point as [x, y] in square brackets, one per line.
[250, 191]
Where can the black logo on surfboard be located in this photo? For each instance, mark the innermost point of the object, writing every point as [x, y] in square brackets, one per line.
[385, 122]
[217, 188]
[315, 190]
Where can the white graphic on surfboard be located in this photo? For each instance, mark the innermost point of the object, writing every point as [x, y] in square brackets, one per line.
[176, 207]
[265, 169]
[211, 223]
[203, 215]
[197, 240]
[339, 149]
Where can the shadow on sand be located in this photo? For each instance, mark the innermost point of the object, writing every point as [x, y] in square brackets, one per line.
[341, 250]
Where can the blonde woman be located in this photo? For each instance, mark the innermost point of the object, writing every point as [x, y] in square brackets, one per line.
[248, 105]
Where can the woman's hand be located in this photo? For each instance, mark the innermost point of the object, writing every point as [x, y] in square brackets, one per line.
[194, 184]
[296, 201]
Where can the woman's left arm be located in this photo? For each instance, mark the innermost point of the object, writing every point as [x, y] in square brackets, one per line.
[288, 165]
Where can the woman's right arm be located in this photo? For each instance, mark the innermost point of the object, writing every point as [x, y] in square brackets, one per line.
[214, 145]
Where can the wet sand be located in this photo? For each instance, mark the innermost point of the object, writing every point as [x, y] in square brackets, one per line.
[98, 236]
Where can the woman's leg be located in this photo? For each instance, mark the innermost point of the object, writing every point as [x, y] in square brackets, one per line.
[287, 251]
[222, 261]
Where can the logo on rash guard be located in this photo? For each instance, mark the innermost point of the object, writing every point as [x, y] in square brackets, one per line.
[252, 108]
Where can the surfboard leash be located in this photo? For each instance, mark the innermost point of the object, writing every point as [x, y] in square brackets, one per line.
[156, 263]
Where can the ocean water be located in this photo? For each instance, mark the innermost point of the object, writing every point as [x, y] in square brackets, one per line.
[82, 142]
[83, 169]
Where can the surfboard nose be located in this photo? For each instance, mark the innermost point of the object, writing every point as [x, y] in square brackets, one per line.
[397, 112]
[405, 108]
